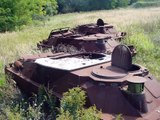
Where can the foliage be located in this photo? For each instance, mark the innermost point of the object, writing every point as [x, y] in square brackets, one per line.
[142, 4]
[142, 42]
[51, 7]
[119, 117]
[15, 13]
[133, 1]
[72, 107]
[48, 102]
[88, 5]
[90, 114]
[73, 100]
[9, 95]
[72, 5]
[65, 115]
[14, 106]
[2, 76]
[42, 106]
[144, 37]
[123, 3]
[14, 44]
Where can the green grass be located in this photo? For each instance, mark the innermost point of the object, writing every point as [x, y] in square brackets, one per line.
[146, 3]
[142, 27]
[2, 76]
[145, 36]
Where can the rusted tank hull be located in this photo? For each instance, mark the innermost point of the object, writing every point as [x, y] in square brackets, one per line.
[29, 87]
[101, 37]
[105, 84]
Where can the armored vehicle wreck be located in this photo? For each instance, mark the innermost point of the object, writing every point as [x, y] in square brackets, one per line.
[112, 82]
[101, 37]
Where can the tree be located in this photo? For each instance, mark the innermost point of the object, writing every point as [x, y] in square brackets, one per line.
[51, 7]
[132, 1]
[113, 3]
[15, 13]
[88, 5]
[123, 3]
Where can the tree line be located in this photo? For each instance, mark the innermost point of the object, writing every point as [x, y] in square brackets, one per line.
[89, 5]
[16, 13]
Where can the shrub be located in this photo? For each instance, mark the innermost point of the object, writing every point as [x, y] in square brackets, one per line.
[73, 101]
[14, 106]
[72, 107]
[15, 13]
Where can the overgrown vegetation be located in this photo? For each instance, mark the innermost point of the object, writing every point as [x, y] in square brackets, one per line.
[146, 39]
[72, 107]
[2, 76]
[14, 106]
[143, 30]
[146, 3]
[89, 5]
[15, 14]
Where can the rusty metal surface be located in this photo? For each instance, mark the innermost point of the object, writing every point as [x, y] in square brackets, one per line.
[124, 56]
[153, 87]
[101, 37]
[109, 72]
[106, 88]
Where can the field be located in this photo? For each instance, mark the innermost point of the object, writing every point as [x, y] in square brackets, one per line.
[142, 27]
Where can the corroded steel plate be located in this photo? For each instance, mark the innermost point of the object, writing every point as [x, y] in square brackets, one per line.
[110, 72]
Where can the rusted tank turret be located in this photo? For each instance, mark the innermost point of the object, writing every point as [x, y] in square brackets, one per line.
[101, 37]
[112, 82]
[100, 27]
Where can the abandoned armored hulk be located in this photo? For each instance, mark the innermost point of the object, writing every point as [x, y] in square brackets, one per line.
[112, 82]
[100, 37]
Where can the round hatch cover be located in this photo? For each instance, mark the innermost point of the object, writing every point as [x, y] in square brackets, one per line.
[109, 72]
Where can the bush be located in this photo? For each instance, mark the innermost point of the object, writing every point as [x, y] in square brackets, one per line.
[72, 107]
[15, 13]
[73, 101]
[14, 106]
[51, 7]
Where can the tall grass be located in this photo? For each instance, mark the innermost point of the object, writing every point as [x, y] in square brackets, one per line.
[142, 27]
[16, 44]
[145, 36]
